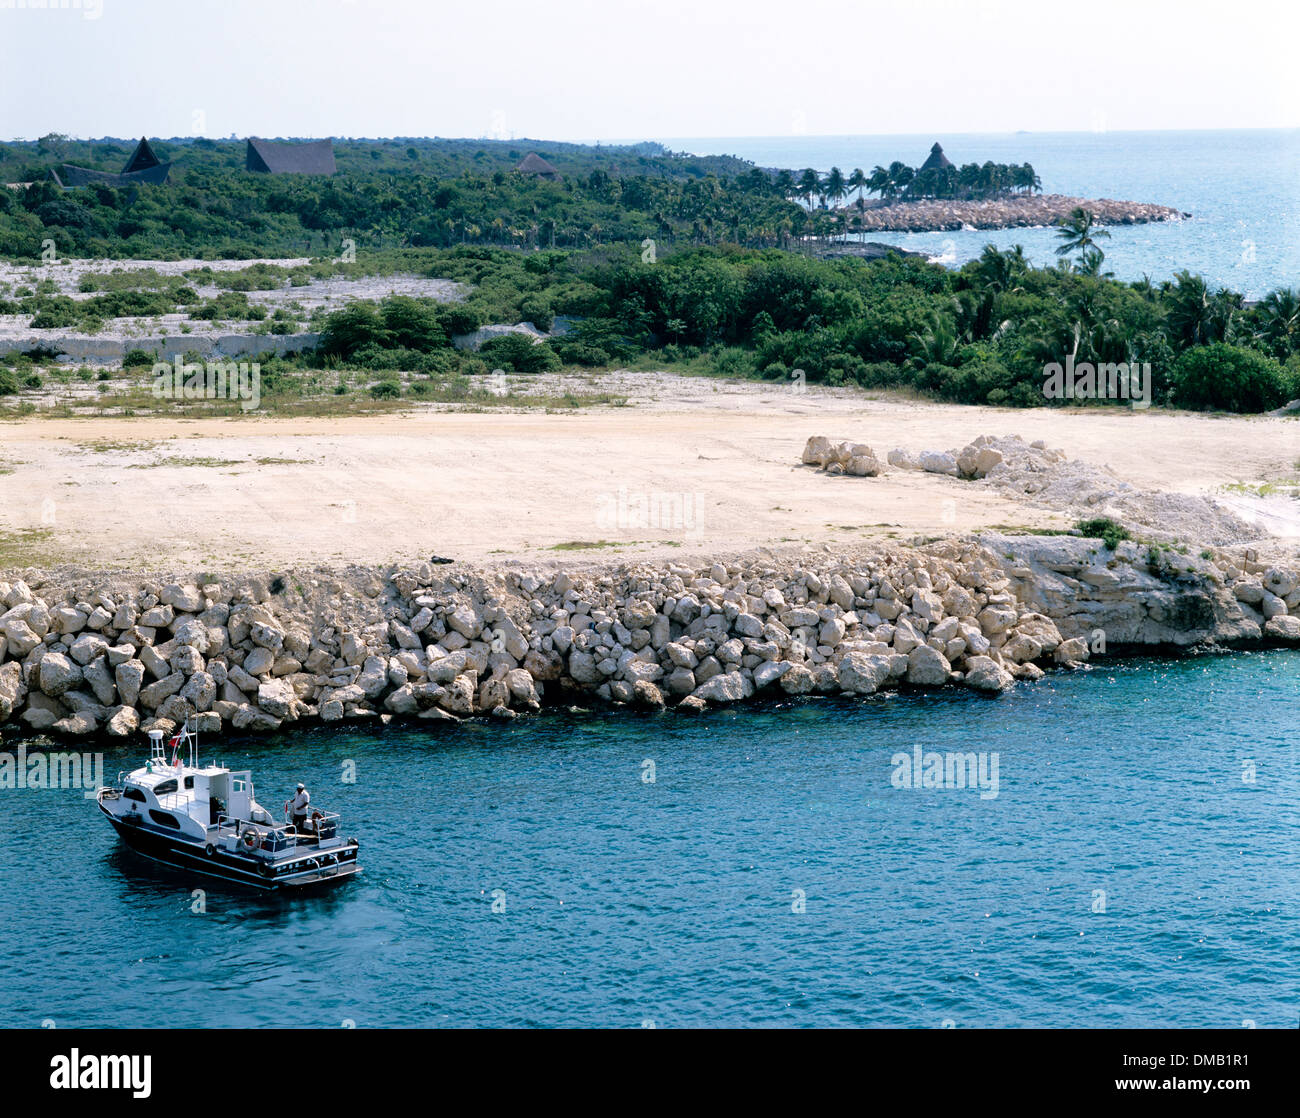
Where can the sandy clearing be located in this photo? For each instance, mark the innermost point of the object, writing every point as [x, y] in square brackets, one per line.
[692, 466]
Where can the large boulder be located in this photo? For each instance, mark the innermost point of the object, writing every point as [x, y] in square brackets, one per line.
[985, 674]
[12, 688]
[57, 674]
[927, 667]
[727, 687]
[129, 676]
[1286, 629]
[938, 462]
[862, 673]
[276, 697]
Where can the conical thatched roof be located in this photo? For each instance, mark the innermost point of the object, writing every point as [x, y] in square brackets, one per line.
[143, 167]
[534, 164]
[313, 158]
[142, 158]
[937, 160]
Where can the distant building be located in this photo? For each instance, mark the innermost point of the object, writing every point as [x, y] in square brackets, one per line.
[937, 160]
[143, 167]
[534, 164]
[266, 157]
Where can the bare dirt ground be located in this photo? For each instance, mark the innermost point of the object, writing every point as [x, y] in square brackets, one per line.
[690, 466]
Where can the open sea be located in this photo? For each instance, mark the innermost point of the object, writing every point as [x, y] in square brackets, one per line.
[1138, 866]
[1242, 189]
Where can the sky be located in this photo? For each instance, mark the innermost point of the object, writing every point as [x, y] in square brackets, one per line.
[633, 70]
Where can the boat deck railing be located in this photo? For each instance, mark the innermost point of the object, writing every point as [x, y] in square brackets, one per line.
[229, 825]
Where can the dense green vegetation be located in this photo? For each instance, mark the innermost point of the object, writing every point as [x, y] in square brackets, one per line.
[979, 335]
[712, 294]
[422, 192]
[388, 194]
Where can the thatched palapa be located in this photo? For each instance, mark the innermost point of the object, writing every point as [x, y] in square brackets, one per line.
[143, 166]
[534, 164]
[316, 157]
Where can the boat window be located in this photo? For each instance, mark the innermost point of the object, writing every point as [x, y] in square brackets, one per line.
[189, 782]
[131, 793]
[164, 820]
[165, 787]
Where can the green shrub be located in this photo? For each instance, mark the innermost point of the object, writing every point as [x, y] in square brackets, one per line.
[579, 353]
[412, 323]
[520, 353]
[385, 390]
[137, 358]
[1103, 528]
[8, 382]
[457, 318]
[351, 328]
[537, 310]
[1222, 377]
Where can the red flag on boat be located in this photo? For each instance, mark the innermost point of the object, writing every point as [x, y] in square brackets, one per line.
[176, 749]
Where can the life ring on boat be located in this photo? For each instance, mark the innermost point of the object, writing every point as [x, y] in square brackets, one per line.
[316, 819]
[251, 840]
[209, 850]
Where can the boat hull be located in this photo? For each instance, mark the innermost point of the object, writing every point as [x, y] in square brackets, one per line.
[233, 868]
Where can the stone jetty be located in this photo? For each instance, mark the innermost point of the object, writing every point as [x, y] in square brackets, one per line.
[1010, 212]
[83, 655]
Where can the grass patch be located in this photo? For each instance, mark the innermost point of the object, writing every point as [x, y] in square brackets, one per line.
[1023, 530]
[206, 463]
[587, 545]
[119, 446]
[24, 548]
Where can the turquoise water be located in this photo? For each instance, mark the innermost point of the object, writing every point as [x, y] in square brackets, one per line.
[1241, 187]
[673, 902]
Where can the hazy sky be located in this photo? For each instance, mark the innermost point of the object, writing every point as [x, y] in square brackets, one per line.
[636, 69]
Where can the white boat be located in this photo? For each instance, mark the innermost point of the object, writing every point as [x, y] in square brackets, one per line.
[204, 818]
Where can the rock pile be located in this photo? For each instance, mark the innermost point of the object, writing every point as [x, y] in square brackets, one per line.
[856, 459]
[1016, 211]
[79, 657]
[985, 456]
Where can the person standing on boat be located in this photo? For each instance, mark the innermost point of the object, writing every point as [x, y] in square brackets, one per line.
[298, 806]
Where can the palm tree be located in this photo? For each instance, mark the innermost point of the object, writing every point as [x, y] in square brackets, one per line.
[1090, 263]
[900, 175]
[858, 182]
[808, 185]
[1279, 321]
[835, 186]
[878, 181]
[1079, 233]
[937, 342]
[999, 271]
[1195, 317]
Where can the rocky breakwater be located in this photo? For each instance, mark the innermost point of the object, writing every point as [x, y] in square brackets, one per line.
[82, 655]
[1021, 210]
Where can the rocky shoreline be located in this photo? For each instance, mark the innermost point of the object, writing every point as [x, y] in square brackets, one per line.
[1015, 211]
[85, 655]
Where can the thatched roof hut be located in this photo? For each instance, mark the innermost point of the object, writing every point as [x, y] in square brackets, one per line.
[269, 158]
[142, 158]
[142, 167]
[937, 160]
[534, 164]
